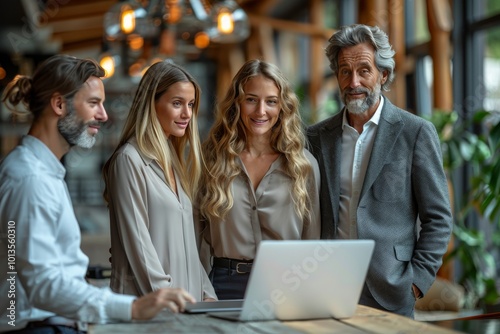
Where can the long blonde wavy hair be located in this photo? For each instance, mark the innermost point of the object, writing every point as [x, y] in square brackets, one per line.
[183, 153]
[227, 139]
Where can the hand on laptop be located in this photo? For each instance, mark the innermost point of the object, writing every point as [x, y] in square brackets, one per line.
[147, 306]
[209, 300]
[416, 292]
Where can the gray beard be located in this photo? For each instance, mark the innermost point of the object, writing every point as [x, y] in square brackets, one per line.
[74, 130]
[360, 106]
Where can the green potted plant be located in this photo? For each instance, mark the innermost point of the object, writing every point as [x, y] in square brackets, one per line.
[480, 154]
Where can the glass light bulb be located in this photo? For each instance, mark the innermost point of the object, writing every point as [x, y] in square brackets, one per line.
[108, 64]
[225, 22]
[228, 23]
[127, 20]
[201, 40]
[136, 42]
[174, 11]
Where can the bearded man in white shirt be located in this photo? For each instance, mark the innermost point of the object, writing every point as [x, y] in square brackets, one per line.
[42, 281]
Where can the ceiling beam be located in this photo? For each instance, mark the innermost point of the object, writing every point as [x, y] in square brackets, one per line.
[291, 26]
[77, 24]
[78, 10]
[259, 7]
[79, 35]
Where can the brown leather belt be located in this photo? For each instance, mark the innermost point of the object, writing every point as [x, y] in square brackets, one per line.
[241, 267]
[53, 321]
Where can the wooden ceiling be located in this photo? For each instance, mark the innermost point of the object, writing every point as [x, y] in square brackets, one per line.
[74, 25]
[78, 24]
[77, 27]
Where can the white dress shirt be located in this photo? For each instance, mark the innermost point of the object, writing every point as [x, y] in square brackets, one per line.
[47, 265]
[356, 151]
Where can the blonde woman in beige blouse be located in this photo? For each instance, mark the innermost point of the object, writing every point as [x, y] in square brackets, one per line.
[149, 187]
[261, 182]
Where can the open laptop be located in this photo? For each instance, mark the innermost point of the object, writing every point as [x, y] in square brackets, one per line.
[301, 279]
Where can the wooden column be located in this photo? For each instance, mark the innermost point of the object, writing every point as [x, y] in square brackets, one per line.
[265, 33]
[388, 15]
[224, 75]
[440, 26]
[317, 60]
[252, 46]
[397, 39]
[374, 13]
[230, 58]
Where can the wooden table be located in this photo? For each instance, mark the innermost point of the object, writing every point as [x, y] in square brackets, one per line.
[366, 320]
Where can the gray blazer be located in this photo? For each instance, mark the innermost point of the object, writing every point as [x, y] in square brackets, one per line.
[404, 183]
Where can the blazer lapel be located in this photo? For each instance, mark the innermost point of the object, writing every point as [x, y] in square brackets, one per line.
[331, 150]
[388, 131]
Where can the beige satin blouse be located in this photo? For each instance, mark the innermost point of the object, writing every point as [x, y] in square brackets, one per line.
[265, 214]
[152, 232]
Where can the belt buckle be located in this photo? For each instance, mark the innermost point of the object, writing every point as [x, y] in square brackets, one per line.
[238, 268]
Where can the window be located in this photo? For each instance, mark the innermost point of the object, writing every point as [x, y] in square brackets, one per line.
[491, 72]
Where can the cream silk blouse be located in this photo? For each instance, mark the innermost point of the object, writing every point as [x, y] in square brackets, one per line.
[265, 214]
[152, 232]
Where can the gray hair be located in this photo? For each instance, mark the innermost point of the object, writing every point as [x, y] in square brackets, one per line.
[357, 34]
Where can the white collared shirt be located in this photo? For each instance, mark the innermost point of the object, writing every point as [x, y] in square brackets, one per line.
[356, 152]
[45, 265]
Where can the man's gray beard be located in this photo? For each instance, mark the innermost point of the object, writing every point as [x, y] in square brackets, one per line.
[360, 106]
[74, 129]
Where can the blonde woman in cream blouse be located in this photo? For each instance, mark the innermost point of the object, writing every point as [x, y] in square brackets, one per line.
[261, 182]
[149, 187]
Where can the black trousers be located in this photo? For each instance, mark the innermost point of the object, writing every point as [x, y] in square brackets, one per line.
[228, 283]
